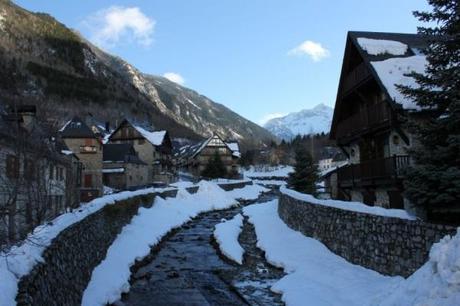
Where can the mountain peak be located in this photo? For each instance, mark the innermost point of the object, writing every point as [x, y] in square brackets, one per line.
[308, 121]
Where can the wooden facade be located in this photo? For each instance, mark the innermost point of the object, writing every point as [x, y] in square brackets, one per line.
[370, 128]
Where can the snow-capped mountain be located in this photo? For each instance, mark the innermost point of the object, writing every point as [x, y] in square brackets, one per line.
[304, 122]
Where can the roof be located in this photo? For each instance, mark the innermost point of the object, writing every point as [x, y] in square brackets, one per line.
[76, 128]
[156, 138]
[389, 57]
[193, 150]
[120, 152]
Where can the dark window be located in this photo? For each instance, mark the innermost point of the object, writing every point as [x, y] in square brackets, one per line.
[51, 172]
[29, 169]
[141, 141]
[12, 166]
[88, 180]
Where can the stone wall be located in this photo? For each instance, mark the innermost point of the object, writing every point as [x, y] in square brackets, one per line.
[391, 246]
[70, 259]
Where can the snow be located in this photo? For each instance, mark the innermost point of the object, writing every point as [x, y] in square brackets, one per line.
[226, 234]
[314, 273]
[304, 122]
[191, 102]
[351, 206]
[248, 192]
[437, 282]
[234, 147]
[66, 152]
[393, 71]
[64, 126]
[266, 171]
[382, 46]
[269, 182]
[155, 138]
[2, 19]
[21, 259]
[111, 277]
[182, 184]
[113, 170]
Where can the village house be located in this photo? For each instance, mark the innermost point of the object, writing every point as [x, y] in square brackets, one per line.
[370, 116]
[195, 158]
[122, 168]
[153, 147]
[82, 142]
[37, 180]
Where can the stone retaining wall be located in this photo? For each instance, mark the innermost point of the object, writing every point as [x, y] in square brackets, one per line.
[388, 245]
[70, 259]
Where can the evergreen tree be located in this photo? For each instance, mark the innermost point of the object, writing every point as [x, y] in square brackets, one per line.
[305, 174]
[434, 180]
[215, 168]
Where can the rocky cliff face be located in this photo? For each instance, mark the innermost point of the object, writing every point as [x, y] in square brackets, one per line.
[45, 63]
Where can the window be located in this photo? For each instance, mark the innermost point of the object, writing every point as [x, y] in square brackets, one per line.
[51, 176]
[29, 169]
[12, 166]
[141, 141]
[60, 173]
[88, 180]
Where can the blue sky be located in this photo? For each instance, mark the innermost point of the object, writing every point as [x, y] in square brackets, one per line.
[257, 57]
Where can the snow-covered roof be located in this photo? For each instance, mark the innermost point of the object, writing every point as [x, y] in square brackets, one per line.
[393, 71]
[234, 147]
[156, 138]
[113, 170]
[192, 150]
[382, 46]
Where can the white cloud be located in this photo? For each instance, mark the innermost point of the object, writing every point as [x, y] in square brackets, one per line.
[174, 77]
[118, 24]
[312, 49]
[269, 117]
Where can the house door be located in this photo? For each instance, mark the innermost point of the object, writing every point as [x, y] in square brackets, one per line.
[88, 180]
[396, 199]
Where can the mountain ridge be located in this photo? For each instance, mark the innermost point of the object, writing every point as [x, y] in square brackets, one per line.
[307, 121]
[48, 64]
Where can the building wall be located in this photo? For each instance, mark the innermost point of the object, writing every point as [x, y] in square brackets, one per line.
[92, 162]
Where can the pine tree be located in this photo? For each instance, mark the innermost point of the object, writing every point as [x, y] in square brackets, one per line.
[215, 168]
[433, 182]
[305, 174]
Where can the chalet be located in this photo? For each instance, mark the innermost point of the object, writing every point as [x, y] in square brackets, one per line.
[370, 115]
[122, 168]
[195, 158]
[37, 181]
[153, 147]
[82, 142]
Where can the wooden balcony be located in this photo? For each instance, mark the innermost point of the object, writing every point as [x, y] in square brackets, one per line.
[356, 77]
[373, 172]
[370, 118]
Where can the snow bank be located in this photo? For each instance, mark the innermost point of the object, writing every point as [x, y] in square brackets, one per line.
[111, 277]
[226, 235]
[436, 283]
[281, 171]
[315, 274]
[382, 46]
[20, 260]
[182, 184]
[345, 205]
[394, 72]
[248, 192]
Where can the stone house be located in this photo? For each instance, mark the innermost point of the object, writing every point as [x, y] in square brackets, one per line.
[153, 147]
[195, 158]
[36, 179]
[370, 116]
[82, 142]
[122, 168]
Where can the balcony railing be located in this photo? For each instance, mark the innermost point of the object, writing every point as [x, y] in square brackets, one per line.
[369, 172]
[355, 77]
[368, 118]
